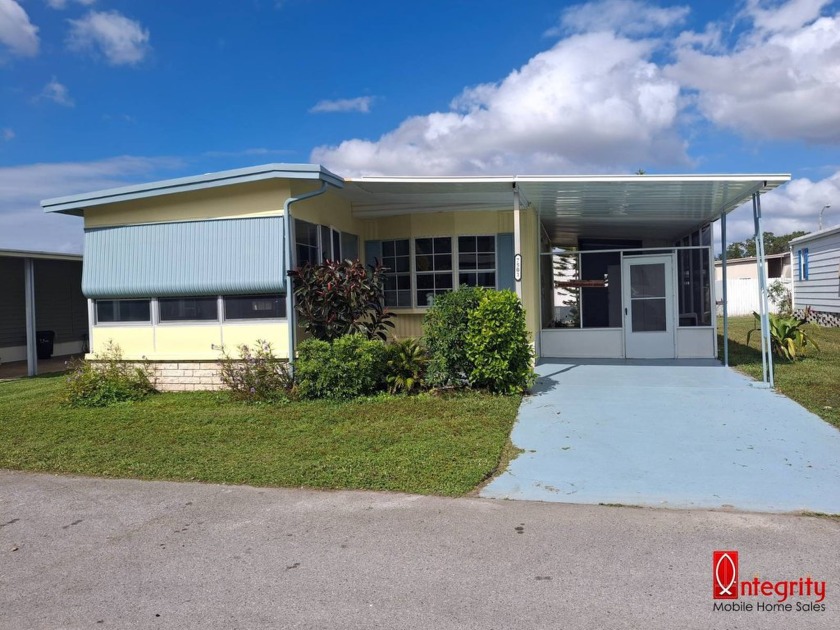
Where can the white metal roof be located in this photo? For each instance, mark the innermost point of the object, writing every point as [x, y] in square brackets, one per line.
[571, 207]
[807, 238]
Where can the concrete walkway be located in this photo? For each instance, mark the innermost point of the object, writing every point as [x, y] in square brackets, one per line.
[99, 553]
[671, 433]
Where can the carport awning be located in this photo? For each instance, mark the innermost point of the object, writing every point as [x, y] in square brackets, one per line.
[571, 207]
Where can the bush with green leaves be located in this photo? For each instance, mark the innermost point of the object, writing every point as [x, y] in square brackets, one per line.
[497, 344]
[445, 334]
[780, 295]
[788, 339]
[337, 298]
[348, 367]
[256, 375]
[406, 362]
[107, 380]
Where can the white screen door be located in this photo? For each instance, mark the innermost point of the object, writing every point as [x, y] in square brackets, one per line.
[648, 307]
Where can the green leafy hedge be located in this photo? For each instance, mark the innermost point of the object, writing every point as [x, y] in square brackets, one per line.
[349, 367]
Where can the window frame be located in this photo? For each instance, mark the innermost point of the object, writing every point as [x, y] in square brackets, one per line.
[456, 267]
[189, 322]
[238, 320]
[143, 322]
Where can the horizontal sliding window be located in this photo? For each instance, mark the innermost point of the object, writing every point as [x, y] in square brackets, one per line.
[188, 309]
[122, 311]
[396, 259]
[255, 307]
[433, 266]
[477, 261]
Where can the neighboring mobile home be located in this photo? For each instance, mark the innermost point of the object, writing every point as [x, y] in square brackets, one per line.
[42, 293]
[816, 275]
[175, 269]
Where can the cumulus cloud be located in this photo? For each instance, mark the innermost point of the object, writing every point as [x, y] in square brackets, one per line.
[592, 102]
[121, 40]
[24, 225]
[62, 4]
[17, 33]
[794, 206]
[360, 104]
[57, 93]
[780, 81]
[628, 17]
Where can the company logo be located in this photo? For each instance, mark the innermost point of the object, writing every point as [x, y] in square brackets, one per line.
[772, 595]
[725, 575]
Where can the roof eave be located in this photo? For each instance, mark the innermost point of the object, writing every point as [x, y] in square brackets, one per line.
[75, 204]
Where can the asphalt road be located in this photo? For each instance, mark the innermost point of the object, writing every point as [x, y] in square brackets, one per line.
[93, 553]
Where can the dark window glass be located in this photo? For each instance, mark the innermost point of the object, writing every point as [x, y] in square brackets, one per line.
[306, 242]
[123, 311]
[188, 309]
[396, 259]
[477, 253]
[255, 307]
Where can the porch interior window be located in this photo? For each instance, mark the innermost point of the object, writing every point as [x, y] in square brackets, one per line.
[254, 307]
[306, 243]
[477, 261]
[433, 267]
[693, 272]
[397, 258]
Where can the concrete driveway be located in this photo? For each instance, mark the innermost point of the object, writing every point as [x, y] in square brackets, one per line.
[687, 434]
[99, 553]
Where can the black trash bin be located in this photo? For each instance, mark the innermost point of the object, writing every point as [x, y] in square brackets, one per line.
[45, 339]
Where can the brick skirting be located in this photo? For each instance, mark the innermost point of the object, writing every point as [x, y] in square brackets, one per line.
[186, 375]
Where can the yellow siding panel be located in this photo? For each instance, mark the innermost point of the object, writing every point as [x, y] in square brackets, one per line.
[327, 209]
[263, 198]
[407, 326]
[134, 341]
[438, 224]
[276, 333]
[188, 341]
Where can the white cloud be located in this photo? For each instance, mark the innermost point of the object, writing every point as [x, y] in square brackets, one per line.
[16, 31]
[781, 80]
[121, 40]
[794, 206]
[58, 93]
[360, 104]
[593, 102]
[7, 134]
[24, 225]
[627, 17]
[62, 4]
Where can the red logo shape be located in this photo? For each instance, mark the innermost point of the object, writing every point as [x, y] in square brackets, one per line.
[725, 575]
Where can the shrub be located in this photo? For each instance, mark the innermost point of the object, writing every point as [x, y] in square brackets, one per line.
[349, 367]
[787, 337]
[257, 375]
[107, 380]
[497, 344]
[780, 295]
[337, 298]
[405, 366]
[445, 332]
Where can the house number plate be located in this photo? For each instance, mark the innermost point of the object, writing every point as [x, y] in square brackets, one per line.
[517, 267]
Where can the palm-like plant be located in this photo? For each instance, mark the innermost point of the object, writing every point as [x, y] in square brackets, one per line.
[787, 337]
[406, 366]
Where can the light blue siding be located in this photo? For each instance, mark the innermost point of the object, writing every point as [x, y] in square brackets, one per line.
[373, 250]
[504, 261]
[192, 258]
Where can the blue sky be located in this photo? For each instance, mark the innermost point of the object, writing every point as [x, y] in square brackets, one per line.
[99, 93]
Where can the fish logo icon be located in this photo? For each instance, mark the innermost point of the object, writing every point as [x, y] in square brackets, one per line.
[725, 575]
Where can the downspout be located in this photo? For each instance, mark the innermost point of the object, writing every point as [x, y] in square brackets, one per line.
[291, 320]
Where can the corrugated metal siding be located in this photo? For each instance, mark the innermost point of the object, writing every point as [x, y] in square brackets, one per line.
[59, 303]
[190, 258]
[12, 303]
[822, 289]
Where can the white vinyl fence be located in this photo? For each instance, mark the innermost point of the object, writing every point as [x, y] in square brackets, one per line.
[743, 295]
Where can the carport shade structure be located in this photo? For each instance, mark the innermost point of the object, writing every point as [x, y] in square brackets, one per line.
[589, 206]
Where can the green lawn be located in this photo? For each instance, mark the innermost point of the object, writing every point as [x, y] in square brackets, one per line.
[422, 444]
[813, 382]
